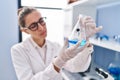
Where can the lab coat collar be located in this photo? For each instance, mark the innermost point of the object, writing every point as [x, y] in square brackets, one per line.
[32, 51]
[36, 45]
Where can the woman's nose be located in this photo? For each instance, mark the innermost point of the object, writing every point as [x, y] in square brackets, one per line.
[40, 27]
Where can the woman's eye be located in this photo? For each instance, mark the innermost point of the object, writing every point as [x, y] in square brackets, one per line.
[33, 25]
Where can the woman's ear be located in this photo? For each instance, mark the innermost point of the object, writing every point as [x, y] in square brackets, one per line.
[24, 30]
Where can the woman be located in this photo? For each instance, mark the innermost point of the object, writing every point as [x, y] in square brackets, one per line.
[39, 59]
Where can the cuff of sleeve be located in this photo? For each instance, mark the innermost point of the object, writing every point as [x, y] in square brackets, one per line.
[58, 62]
[51, 72]
[87, 51]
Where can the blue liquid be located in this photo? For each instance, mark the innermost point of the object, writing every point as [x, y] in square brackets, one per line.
[75, 41]
[115, 72]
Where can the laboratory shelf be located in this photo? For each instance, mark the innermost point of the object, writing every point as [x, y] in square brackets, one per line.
[76, 3]
[112, 45]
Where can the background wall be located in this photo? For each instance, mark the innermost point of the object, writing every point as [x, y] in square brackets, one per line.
[8, 37]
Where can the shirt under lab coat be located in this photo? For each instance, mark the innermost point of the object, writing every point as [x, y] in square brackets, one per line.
[29, 65]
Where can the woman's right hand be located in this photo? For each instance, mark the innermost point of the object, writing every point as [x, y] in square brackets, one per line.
[67, 53]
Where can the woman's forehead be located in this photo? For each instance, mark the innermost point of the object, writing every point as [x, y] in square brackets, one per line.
[32, 17]
[34, 14]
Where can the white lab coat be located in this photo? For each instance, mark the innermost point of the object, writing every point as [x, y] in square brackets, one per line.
[29, 65]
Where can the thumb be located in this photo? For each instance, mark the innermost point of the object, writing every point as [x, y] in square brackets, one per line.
[99, 28]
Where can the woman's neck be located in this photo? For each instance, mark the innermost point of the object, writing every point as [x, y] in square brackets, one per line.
[40, 42]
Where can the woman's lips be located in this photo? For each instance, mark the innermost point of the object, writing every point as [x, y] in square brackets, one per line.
[43, 33]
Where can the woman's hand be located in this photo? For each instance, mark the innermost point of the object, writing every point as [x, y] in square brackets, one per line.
[90, 26]
[67, 53]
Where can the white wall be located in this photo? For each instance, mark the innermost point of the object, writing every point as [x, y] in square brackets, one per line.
[8, 37]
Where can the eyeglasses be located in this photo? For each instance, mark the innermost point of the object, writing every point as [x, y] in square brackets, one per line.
[34, 25]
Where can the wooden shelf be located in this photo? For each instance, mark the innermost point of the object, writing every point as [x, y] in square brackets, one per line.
[112, 45]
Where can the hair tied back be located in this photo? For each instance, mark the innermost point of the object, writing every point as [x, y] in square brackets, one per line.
[19, 10]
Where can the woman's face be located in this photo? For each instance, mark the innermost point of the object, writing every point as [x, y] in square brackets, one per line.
[35, 25]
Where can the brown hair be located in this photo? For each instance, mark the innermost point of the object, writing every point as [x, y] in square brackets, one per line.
[22, 13]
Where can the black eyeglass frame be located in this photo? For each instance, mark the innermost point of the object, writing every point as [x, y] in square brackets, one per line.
[34, 25]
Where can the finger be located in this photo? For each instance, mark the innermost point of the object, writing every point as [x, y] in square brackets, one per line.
[83, 47]
[99, 28]
[74, 47]
[89, 21]
[90, 49]
[83, 19]
[94, 31]
[88, 18]
[89, 45]
[65, 42]
[77, 45]
[90, 25]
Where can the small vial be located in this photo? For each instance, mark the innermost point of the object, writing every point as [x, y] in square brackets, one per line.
[78, 34]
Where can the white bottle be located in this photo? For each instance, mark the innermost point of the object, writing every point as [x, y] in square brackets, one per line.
[78, 34]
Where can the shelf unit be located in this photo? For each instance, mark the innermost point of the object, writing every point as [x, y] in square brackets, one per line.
[112, 45]
[75, 3]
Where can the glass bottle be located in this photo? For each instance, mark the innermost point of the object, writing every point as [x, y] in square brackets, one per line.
[114, 67]
[78, 34]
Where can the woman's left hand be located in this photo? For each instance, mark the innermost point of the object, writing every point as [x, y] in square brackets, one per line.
[90, 26]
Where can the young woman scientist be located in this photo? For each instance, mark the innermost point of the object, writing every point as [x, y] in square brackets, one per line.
[39, 59]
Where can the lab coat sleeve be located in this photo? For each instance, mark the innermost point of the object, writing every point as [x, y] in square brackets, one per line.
[81, 62]
[24, 71]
